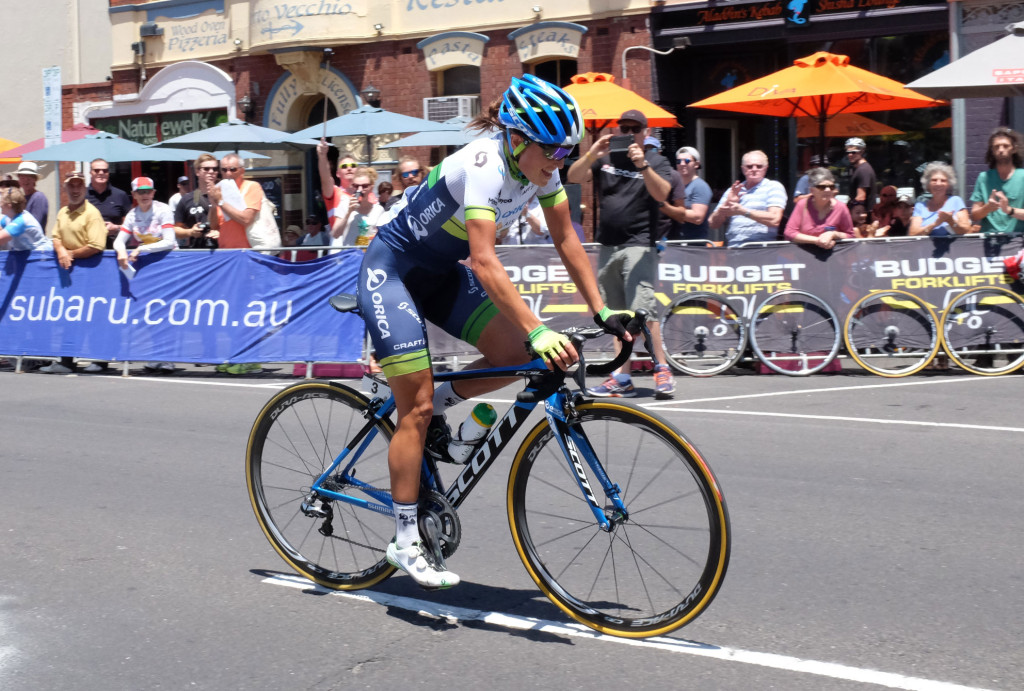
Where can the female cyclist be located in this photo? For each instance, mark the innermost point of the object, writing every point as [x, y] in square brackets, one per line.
[412, 272]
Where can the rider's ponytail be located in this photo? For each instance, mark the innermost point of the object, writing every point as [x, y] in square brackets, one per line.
[487, 120]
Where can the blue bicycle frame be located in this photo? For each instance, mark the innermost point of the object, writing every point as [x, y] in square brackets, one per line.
[559, 408]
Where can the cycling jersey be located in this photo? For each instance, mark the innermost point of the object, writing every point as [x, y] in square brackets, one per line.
[475, 182]
[153, 229]
[411, 270]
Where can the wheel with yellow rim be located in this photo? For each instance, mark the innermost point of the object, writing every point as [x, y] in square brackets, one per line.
[891, 333]
[295, 438]
[983, 330]
[661, 562]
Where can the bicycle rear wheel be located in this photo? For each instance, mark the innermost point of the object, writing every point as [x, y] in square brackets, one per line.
[702, 334]
[654, 571]
[296, 436]
[983, 330]
[891, 333]
[794, 332]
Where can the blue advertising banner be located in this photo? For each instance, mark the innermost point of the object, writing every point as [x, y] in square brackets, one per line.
[181, 307]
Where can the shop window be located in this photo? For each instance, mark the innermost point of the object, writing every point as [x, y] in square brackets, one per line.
[460, 80]
[558, 72]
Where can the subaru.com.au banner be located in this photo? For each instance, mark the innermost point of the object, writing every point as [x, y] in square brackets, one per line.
[180, 306]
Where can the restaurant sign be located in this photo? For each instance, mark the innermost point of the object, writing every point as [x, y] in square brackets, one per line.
[150, 129]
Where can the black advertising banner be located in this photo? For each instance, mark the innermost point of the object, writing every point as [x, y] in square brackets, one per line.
[934, 269]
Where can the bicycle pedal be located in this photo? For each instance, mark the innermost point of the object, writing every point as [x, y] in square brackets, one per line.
[431, 534]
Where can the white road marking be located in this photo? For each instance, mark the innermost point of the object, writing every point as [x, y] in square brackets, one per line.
[840, 418]
[510, 621]
[831, 389]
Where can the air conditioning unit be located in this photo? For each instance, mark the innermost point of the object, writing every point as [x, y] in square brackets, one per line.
[445, 108]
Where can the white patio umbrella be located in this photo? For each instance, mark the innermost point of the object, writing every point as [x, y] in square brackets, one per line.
[996, 70]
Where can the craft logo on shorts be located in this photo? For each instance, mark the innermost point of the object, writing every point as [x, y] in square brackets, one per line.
[375, 279]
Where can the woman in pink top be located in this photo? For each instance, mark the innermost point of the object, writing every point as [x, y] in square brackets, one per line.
[819, 219]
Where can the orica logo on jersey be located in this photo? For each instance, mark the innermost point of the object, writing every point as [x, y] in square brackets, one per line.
[375, 279]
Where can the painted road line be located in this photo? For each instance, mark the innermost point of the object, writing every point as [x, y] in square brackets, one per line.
[840, 418]
[830, 389]
[674, 645]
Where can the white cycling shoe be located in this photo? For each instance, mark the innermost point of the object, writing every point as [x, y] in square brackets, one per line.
[419, 564]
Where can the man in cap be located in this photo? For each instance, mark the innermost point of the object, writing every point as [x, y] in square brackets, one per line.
[36, 202]
[79, 233]
[184, 189]
[862, 175]
[113, 203]
[632, 185]
[691, 198]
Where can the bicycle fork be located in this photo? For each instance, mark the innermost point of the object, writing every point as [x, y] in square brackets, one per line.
[580, 455]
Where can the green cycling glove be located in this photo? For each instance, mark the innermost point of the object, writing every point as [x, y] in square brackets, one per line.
[547, 343]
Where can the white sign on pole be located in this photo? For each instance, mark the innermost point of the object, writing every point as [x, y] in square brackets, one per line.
[52, 112]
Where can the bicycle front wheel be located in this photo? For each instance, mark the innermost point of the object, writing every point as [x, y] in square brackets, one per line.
[660, 566]
[983, 330]
[891, 333]
[295, 438]
[702, 335]
[794, 332]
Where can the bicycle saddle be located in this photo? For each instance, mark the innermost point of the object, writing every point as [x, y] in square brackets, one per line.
[344, 302]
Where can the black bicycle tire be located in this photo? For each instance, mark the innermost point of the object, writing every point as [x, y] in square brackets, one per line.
[681, 365]
[286, 499]
[955, 354]
[704, 505]
[901, 295]
[771, 362]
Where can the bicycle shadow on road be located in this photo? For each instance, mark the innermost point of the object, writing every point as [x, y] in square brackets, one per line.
[476, 599]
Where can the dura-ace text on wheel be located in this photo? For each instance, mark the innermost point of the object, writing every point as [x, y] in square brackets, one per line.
[295, 438]
[702, 334]
[659, 565]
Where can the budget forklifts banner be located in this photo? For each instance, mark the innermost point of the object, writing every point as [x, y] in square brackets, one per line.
[179, 306]
[934, 269]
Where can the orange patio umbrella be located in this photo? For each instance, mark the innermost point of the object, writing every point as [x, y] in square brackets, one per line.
[6, 144]
[603, 101]
[819, 86]
[844, 125]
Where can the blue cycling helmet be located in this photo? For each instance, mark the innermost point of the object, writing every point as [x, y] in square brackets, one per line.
[543, 112]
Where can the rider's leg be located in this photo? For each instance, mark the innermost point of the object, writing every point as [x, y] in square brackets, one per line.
[414, 406]
[413, 393]
[502, 343]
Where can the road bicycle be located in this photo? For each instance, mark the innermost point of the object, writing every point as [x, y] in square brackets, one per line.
[616, 516]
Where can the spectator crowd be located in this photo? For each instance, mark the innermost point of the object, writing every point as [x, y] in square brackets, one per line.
[644, 199]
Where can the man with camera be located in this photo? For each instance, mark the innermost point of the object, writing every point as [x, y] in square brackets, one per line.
[191, 224]
[632, 184]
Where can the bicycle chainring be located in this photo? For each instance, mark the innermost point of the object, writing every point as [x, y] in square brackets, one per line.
[439, 524]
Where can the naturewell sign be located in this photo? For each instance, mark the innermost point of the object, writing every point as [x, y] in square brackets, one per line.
[150, 129]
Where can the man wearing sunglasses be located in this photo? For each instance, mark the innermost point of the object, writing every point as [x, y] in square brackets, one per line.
[691, 197]
[234, 213]
[632, 188]
[112, 202]
[751, 209]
